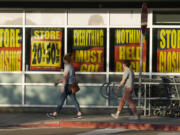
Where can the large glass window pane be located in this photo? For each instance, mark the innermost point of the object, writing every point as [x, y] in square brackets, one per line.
[87, 96]
[11, 18]
[44, 49]
[89, 18]
[125, 18]
[10, 78]
[10, 94]
[45, 18]
[88, 48]
[42, 95]
[91, 78]
[165, 18]
[166, 50]
[10, 49]
[43, 78]
[125, 45]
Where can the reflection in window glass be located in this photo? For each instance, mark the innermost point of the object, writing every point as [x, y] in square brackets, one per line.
[43, 78]
[166, 18]
[125, 18]
[11, 18]
[45, 18]
[42, 95]
[10, 78]
[11, 95]
[93, 18]
[91, 78]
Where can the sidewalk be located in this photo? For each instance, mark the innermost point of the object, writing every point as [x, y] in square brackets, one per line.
[90, 121]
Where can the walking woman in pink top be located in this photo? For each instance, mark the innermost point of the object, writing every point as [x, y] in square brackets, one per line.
[128, 83]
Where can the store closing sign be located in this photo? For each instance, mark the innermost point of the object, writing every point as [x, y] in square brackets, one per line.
[46, 49]
[127, 47]
[10, 49]
[168, 50]
[88, 49]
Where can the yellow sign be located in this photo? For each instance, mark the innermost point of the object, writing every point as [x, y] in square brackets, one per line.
[46, 48]
[168, 50]
[10, 49]
[127, 47]
[88, 50]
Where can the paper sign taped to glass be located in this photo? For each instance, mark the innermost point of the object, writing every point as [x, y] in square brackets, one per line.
[46, 49]
[10, 49]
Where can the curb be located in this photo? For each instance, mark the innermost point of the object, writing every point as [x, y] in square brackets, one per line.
[134, 126]
[73, 124]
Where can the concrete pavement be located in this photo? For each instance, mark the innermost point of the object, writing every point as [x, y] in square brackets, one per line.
[8, 120]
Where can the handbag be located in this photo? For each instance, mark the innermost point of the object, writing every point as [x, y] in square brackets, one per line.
[74, 87]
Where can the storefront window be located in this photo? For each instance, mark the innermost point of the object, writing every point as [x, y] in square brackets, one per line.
[44, 49]
[95, 18]
[45, 18]
[125, 18]
[11, 18]
[88, 48]
[10, 49]
[166, 50]
[125, 45]
[166, 18]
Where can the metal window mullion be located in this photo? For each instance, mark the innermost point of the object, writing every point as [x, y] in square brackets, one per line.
[121, 73]
[151, 44]
[52, 73]
[23, 59]
[65, 40]
[10, 72]
[42, 26]
[107, 53]
[124, 26]
[10, 84]
[65, 32]
[166, 26]
[85, 26]
[10, 26]
[36, 72]
[52, 84]
[165, 74]
[147, 73]
[100, 73]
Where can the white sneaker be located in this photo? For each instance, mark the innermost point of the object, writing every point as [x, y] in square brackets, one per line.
[114, 116]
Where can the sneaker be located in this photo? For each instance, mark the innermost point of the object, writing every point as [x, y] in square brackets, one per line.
[77, 117]
[50, 115]
[114, 116]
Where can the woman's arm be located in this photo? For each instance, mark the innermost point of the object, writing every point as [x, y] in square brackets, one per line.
[56, 83]
[63, 80]
[122, 82]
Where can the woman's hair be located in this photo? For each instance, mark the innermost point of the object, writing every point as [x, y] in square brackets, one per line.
[127, 63]
[68, 58]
